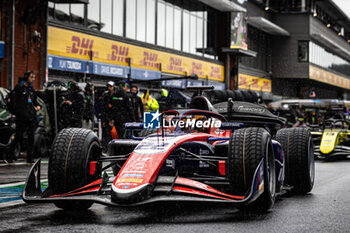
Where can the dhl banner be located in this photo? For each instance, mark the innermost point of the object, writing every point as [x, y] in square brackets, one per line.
[254, 83]
[327, 77]
[71, 44]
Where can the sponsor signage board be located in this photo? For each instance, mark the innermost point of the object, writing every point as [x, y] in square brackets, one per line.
[81, 46]
[324, 76]
[254, 83]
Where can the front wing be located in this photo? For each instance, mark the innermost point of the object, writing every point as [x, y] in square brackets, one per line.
[337, 151]
[166, 189]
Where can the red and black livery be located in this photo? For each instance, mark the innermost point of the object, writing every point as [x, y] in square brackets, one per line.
[242, 157]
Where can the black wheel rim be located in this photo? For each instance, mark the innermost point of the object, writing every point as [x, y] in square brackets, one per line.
[270, 170]
[311, 161]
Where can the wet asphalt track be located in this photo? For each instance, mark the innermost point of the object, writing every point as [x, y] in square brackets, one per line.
[327, 209]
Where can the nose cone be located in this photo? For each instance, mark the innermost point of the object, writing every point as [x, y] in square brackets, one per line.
[125, 194]
[328, 141]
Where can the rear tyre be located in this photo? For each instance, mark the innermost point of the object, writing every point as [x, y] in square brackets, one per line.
[71, 153]
[238, 95]
[247, 148]
[231, 94]
[299, 156]
[254, 96]
[221, 95]
[217, 96]
[246, 96]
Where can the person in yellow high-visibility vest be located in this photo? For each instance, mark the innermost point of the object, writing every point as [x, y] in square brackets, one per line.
[150, 104]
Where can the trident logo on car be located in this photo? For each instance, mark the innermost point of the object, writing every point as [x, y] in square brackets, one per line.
[151, 120]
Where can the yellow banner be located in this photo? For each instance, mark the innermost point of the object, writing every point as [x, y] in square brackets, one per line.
[254, 83]
[324, 76]
[72, 44]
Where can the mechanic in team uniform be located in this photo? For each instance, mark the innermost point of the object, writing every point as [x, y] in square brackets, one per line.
[88, 115]
[150, 104]
[122, 109]
[107, 114]
[73, 106]
[136, 103]
[26, 108]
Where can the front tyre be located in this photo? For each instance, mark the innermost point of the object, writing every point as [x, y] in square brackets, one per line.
[299, 156]
[70, 157]
[247, 148]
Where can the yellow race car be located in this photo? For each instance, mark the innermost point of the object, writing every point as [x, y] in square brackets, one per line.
[333, 139]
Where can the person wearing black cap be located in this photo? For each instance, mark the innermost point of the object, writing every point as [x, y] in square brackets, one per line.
[27, 106]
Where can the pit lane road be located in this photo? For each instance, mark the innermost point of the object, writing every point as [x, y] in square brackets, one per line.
[326, 209]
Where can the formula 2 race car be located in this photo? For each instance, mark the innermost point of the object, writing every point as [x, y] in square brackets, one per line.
[195, 156]
[333, 139]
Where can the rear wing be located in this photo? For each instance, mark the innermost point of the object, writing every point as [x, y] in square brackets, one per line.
[237, 111]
